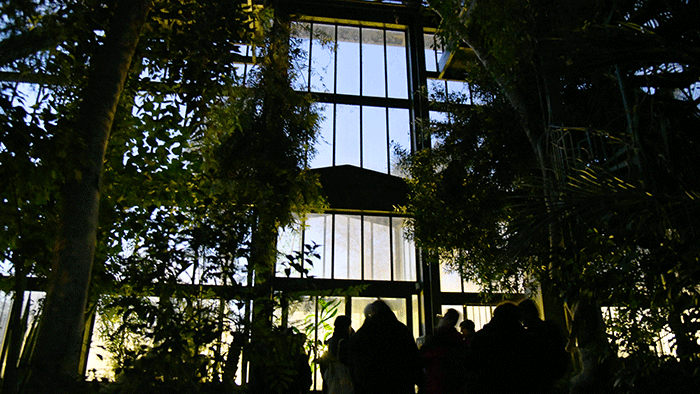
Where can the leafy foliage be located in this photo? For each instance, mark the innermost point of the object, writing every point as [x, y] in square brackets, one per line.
[246, 166]
[608, 96]
[182, 189]
[463, 188]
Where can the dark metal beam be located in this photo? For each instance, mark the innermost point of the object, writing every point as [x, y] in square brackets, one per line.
[369, 288]
[349, 187]
[361, 100]
[365, 11]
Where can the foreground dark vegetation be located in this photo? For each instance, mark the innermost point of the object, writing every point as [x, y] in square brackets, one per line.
[142, 121]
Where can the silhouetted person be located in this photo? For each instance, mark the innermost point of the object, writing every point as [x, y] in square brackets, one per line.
[498, 354]
[467, 329]
[443, 357]
[341, 330]
[546, 349]
[302, 380]
[336, 374]
[383, 357]
[421, 340]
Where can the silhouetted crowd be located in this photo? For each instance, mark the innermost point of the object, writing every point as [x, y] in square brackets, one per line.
[516, 352]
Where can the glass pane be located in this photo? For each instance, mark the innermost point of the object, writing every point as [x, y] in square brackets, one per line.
[416, 315]
[355, 237]
[377, 244]
[251, 69]
[31, 305]
[404, 253]
[471, 287]
[436, 116]
[436, 90]
[450, 280]
[347, 143]
[348, 234]
[240, 276]
[373, 72]
[398, 305]
[411, 262]
[441, 117]
[399, 135]
[480, 315]
[301, 34]
[459, 88]
[300, 29]
[458, 308]
[288, 241]
[300, 312]
[357, 316]
[322, 58]
[324, 144]
[316, 322]
[397, 72]
[430, 59]
[374, 144]
[348, 47]
[329, 309]
[240, 71]
[319, 230]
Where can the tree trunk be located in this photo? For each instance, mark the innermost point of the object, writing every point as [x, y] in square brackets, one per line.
[55, 361]
[263, 255]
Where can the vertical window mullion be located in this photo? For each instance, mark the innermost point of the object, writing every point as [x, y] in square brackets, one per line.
[325, 236]
[245, 65]
[359, 29]
[409, 71]
[348, 246]
[361, 146]
[348, 305]
[362, 247]
[371, 237]
[314, 298]
[435, 52]
[388, 142]
[335, 91]
[303, 239]
[461, 277]
[386, 95]
[335, 62]
[335, 122]
[311, 46]
[386, 67]
[333, 246]
[391, 247]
